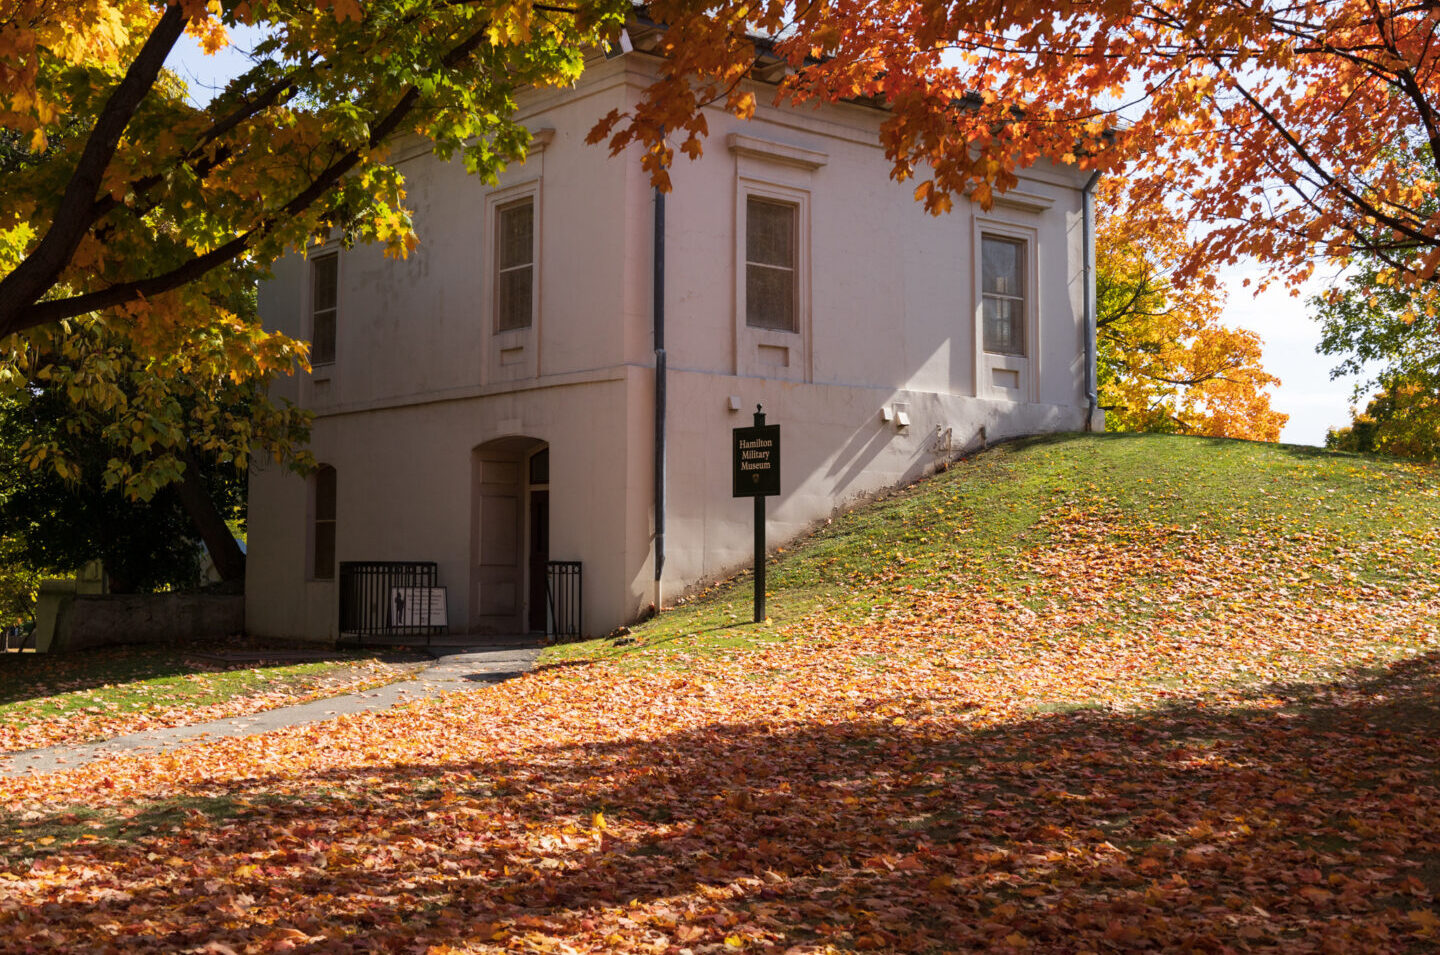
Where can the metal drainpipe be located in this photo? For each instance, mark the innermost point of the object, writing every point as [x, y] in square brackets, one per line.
[1088, 227]
[659, 307]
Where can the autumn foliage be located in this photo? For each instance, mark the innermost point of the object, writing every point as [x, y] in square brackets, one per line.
[138, 208]
[1288, 133]
[1164, 360]
[55, 699]
[1403, 420]
[1046, 703]
[1278, 124]
[1297, 131]
[134, 217]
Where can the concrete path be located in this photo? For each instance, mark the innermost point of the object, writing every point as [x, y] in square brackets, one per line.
[460, 670]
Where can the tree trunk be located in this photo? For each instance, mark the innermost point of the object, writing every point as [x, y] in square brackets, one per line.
[229, 559]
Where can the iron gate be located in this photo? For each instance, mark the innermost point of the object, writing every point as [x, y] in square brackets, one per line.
[367, 592]
[563, 599]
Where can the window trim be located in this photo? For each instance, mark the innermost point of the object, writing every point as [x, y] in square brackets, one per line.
[753, 342]
[1027, 366]
[490, 261]
[513, 354]
[327, 251]
[497, 269]
[313, 570]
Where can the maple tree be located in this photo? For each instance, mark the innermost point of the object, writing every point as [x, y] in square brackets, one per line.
[1273, 120]
[96, 425]
[61, 516]
[134, 224]
[1277, 122]
[95, 433]
[155, 193]
[132, 215]
[1164, 361]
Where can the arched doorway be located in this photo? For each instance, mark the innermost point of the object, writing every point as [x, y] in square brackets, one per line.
[509, 536]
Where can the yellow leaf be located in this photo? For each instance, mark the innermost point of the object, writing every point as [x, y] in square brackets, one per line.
[1425, 918]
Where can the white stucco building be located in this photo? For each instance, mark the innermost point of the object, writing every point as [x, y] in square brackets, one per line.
[490, 403]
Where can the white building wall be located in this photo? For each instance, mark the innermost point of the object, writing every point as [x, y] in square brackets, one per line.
[888, 321]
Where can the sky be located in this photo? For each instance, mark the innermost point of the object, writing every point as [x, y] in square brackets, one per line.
[1306, 393]
[206, 74]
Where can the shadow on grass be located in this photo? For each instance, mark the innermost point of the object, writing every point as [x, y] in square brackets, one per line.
[1308, 819]
[33, 676]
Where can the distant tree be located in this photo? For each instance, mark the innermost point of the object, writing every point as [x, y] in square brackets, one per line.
[108, 454]
[18, 584]
[1388, 330]
[1403, 421]
[56, 518]
[1165, 363]
[142, 406]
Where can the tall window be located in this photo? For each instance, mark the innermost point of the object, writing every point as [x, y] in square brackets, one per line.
[324, 297]
[771, 291]
[515, 265]
[1002, 268]
[323, 531]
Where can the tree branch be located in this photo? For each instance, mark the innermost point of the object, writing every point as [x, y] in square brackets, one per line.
[39, 270]
[54, 310]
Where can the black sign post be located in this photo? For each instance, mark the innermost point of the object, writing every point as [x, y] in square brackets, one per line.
[756, 473]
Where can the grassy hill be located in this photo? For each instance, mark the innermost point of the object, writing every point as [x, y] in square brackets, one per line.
[1085, 694]
[1298, 560]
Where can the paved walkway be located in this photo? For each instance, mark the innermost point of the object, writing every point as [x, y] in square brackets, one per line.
[459, 670]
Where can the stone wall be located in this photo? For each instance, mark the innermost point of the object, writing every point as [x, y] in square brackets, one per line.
[84, 621]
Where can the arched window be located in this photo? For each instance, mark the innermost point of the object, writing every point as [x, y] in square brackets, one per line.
[322, 528]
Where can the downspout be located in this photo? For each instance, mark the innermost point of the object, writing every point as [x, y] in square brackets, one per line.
[659, 315]
[1091, 357]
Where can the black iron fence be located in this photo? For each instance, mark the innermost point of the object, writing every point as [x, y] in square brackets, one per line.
[397, 598]
[563, 607]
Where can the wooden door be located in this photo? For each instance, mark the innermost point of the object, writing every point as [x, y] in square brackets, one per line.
[498, 572]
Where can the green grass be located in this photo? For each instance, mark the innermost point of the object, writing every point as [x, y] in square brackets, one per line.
[30, 836]
[117, 681]
[141, 821]
[975, 523]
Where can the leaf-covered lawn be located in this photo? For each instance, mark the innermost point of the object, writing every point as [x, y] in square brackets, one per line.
[47, 700]
[1104, 729]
